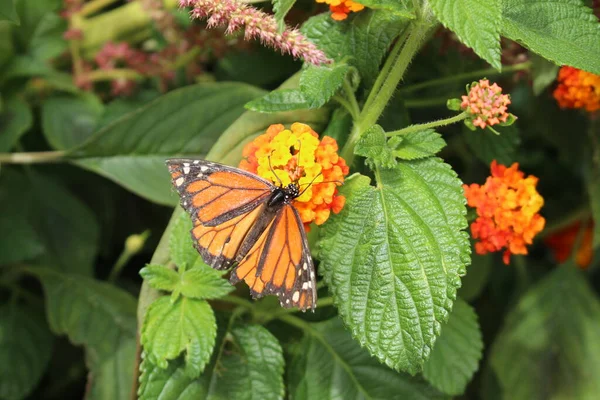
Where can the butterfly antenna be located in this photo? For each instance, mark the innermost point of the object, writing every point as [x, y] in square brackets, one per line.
[309, 184]
[273, 171]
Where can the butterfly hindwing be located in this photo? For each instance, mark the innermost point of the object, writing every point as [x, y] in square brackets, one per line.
[279, 262]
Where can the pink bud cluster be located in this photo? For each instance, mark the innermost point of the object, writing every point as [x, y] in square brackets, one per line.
[258, 25]
[486, 104]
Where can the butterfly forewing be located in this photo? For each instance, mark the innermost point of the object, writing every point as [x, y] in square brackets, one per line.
[238, 218]
[214, 193]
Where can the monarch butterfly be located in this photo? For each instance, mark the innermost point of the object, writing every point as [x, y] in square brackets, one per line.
[244, 220]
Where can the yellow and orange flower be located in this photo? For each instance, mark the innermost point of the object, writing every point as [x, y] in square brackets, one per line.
[297, 155]
[341, 8]
[486, 105]
[508, 206]
[563, 241]
[577, 89]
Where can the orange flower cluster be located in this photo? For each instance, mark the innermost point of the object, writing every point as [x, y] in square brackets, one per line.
[297, 155]
[578, 89]
[507, 211]
[341, 8]
[563, 241]
[486, 104]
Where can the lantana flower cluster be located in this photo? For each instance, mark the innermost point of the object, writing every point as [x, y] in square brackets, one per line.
[507, 206]
[485, 106]
[563, 242]
[577, 89]
[283, 156]
[341, 8]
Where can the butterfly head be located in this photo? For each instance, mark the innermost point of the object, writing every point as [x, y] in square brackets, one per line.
[291, 191]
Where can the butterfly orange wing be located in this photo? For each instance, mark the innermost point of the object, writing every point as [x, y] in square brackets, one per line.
[279, 263]
[225, 203]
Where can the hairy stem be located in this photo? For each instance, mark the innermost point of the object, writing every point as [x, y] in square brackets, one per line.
[428, 125]
[464, 76]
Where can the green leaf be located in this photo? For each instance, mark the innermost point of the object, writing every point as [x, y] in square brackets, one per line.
[564, 32]
[419, 144]
[15, 119]
[172, 327]
[67, 227]
[594, 195]
[8, 12]
[182, 250]
[252, 369]
[362, 42]
[249, 366]
[132, 149]
[69, 121]
[160, 277]
[281, 8]
[593, 183]
[329, 364]
[374, 146]
[398, 7]
[100, 317]
[477, 277]
[319, 84]
[476, 23]
[19, 240]
[47, 41]
[543, 73]
[488, 146]
[393, 258]
[549, 347]
[456, 354]
[203, 282]
[171, 382]
[25, 350]
[280, 100]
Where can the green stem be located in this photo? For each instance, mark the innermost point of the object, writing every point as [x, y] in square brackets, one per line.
[355, 108]
[111, 74]
[344, 103]
[464, 76]
[428, 125]
[387, 82]
[238, 301]
[423, 103]
[32, 158]
[416, 36]
[297, 322]
[385, 71]
[161, 256]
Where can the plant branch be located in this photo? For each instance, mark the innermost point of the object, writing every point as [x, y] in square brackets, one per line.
[428, 125]
[33, 157]
[467, 75]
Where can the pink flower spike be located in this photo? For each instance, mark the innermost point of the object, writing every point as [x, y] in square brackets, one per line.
[259, 25]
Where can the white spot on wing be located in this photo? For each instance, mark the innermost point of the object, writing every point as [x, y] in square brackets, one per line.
[299, 272]
[196, 161]
[204, 168]
[296, 296]
[305, 285]
[305, 266]
[287, 301]
[310, 284]
[312, 275]
[179, 181]
[186, 168]
[200, 175]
